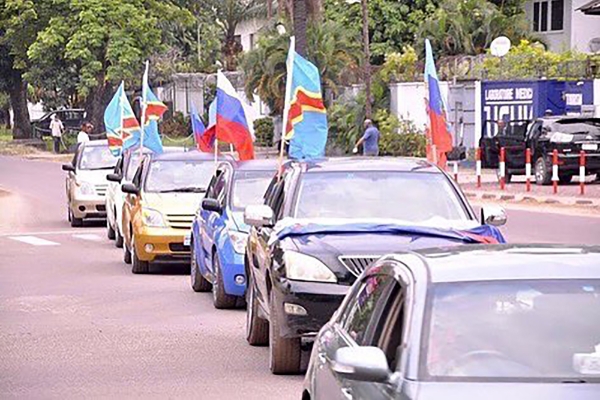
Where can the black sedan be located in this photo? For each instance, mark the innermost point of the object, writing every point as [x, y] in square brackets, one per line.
[497, 322]
[297, 277]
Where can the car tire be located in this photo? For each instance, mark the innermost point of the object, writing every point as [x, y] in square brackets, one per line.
[110, 231]
[118, 239]
[542, 172]
[126, 254]
[257, 329]
[284, 353]
[198, 282]
[221, 300]
[138, 266]
[76, 222]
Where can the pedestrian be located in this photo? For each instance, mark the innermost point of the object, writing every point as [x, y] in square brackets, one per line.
[83, 135]
[56, 128]
[369, 140]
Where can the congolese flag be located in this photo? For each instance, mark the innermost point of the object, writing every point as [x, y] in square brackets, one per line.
[438, 133]
[305, 113]
[122, 126]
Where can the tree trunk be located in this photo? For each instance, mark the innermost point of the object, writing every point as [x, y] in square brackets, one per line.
[95, 105]
[366, 49]
[18, 102]
[269, 9]
[300, 16]
[315, 9]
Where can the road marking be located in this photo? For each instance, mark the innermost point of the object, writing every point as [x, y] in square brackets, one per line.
[65, 232]
[88, 236]
[35, 241]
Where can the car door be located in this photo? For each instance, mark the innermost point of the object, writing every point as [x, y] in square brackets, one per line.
[533, 134]
[131, 203]
[374, 317]
[113, 191]
[70, 180]
[210, 218]
[514, 143]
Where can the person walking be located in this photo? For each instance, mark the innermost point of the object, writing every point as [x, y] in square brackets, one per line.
[83, 135]
[56, 128]
[369, 140]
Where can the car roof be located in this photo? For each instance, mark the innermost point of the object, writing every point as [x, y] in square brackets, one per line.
[347, 164]
[506, 262]
[257, 165]
[96, 143]
[187, 155]
[567, 118]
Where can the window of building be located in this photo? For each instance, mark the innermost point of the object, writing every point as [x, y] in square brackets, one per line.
[548, 15]
[251, 41]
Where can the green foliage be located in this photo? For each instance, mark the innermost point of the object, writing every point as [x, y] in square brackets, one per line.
[331, 47]
[345, 118]
[392, 23]
[531, 60]
[400, 67]
[399, 138]
[263, 130]
[176, 126]
[460, 27]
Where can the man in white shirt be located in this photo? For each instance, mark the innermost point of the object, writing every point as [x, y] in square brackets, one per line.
[57, 128]
[83, 135]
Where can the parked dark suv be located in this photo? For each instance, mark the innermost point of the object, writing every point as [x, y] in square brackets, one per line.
[568, 135]
[323, 223]
[71, 119]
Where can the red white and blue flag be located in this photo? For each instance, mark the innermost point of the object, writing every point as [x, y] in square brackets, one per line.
[232, 125]
[122, 126]
[205, 139]
[439, 139]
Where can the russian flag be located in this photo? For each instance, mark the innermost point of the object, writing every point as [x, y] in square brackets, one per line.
[205, 139]
[232, 125]
[438, 133]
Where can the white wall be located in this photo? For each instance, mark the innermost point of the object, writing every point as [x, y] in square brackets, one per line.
[247, 28]
[408, 101]
[556, 40]
[597, 97]
[585, 27]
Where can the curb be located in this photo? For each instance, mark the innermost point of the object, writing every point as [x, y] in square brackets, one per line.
[517, 198]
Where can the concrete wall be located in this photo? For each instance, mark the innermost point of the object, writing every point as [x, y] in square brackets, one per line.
[248, 32]
[585, 27]
[597, 97]
[556, 40]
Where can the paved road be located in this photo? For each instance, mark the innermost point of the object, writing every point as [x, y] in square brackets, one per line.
[74, 322]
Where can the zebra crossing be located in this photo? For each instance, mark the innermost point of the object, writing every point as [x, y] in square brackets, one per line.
[51, 238]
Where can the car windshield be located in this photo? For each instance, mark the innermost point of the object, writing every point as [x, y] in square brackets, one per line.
[581, 127]
[97, 157]
[179, 176]
[132, 166]
[530, 330]
[249, 188]
[423, 198]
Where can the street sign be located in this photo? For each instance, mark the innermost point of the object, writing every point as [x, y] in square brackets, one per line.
[500, 46]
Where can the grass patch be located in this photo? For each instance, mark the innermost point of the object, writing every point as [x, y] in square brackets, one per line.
[5, 134]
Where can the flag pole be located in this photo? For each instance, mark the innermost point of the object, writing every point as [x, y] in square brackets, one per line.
[286, 106]
[144, 106]
[122, 107]
[216, 151]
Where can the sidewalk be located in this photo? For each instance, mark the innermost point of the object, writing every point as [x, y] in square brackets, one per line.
[568, 194]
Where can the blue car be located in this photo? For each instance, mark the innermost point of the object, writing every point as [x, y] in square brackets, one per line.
[218, 236]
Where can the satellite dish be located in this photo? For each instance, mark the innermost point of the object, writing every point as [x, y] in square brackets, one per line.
[500, 46]
[595, 45]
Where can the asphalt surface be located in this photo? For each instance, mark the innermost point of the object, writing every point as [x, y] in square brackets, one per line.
[74, 321]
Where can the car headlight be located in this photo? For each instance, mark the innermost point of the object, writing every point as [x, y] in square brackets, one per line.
[559, 137]
[153, 218]
[86, 189]
[238, 239]
[306, 268]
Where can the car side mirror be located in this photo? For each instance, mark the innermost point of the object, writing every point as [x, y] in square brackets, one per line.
[113, 177]
[493, 215]
[259, 216]
[363, 363]
[129, 188]
[68, 167]
[212, 205]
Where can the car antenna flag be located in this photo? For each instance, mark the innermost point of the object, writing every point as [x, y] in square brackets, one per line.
[122, 127]
[152, 111]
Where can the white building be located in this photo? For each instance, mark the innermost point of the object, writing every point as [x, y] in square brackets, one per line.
[246, 33]
[562, 25]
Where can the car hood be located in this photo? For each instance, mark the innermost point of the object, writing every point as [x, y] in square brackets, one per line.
[173, 203]
[503, 391]
[238, 219]
[96, 176]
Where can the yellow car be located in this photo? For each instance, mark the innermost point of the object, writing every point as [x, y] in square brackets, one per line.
[86, 181]
[160, 206]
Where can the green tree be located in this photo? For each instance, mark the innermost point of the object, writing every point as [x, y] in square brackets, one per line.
[98, 43]
[467, 27]
[331, 47]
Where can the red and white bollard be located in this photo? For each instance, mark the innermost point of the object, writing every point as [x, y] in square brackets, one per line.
[582, 172]
[502, 166]
[478, 166]
[455, 171]
[555, 171]
[528, 169]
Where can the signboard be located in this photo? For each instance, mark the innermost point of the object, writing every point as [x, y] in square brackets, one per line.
[507, 101]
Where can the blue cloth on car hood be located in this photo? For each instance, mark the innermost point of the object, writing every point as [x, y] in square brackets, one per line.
[481, 234]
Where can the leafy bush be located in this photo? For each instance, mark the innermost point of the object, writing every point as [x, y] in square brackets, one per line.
[263, 130]
[345, 123]
[399, 137]
[176, 126]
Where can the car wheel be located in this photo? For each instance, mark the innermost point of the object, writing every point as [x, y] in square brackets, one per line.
[138, 266]
[75, 222]
[542, 172]
[110, 231]
[257, 329]
[68, 213]
[284, 353]
[126, 254]
[199, 283]
[221, 299]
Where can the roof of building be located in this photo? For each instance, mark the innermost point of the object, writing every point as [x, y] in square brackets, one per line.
[591, 8]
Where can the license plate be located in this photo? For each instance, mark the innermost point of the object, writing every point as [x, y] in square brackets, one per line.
[187, 240]
[590, 146]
